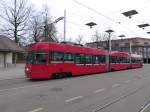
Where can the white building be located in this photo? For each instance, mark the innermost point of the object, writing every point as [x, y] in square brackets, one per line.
[139, 45]
[10, 52]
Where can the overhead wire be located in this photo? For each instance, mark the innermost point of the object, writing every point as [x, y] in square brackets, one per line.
[93, 10]
[110, 19]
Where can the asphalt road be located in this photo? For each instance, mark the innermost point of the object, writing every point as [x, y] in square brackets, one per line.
[121, 91]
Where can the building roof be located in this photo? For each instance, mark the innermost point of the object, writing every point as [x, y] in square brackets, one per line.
[6, 44]
[134, 38]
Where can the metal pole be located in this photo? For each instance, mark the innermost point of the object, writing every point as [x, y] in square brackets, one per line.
[109, 41]
[147, 55]
[130, 46]
[109, 49]
[130, 50]
[64, 25]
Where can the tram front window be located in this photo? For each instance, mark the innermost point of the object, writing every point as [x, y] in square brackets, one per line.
[37, 57]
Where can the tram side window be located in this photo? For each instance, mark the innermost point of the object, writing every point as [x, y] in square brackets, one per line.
[113, 59]
[88, 59]
[102, 59]
[40, 58]
[128, 59]
[133, 60]
[136, 60]
[124, 60]
[96, 59]
[121, 59]
[68, 57]
[110, 59]
[57, 56]
[79, 58]
[141, 60]
[117, 59]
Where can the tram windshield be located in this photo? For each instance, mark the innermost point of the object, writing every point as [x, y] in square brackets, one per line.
[37, 57]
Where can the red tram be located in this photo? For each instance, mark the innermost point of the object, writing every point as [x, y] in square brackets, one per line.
[119, 60]
[136, 61]
[49, 60]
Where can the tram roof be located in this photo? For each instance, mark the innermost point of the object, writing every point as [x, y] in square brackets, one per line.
[65, 48]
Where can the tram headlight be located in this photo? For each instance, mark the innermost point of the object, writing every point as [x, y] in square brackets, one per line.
[27, 69]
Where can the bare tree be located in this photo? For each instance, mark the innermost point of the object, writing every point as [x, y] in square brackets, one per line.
[36, 28]
[16, 15]
[49, 29]
[79, 40]
[100, 38]
[97, 37]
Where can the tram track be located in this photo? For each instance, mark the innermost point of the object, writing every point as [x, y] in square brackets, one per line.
[109, 101]
[115, 100]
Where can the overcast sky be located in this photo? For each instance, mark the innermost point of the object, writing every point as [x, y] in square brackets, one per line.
[78, 16]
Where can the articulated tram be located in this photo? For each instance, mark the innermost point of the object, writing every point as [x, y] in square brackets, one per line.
[48, 60]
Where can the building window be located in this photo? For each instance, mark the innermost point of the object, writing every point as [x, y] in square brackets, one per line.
[116, 45]
[146, 43]
[126, 44]
[137, 43]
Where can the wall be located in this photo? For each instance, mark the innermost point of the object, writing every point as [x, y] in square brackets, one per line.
[9, 58]
[1, 60]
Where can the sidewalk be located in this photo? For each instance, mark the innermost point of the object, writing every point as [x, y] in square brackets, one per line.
[13, 72]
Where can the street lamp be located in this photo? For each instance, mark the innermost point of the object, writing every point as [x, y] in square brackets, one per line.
[109, 38]
[143, 26]
[109, 48]
[148, 32]
[121, 36]
[130, 13]
[91, 24]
